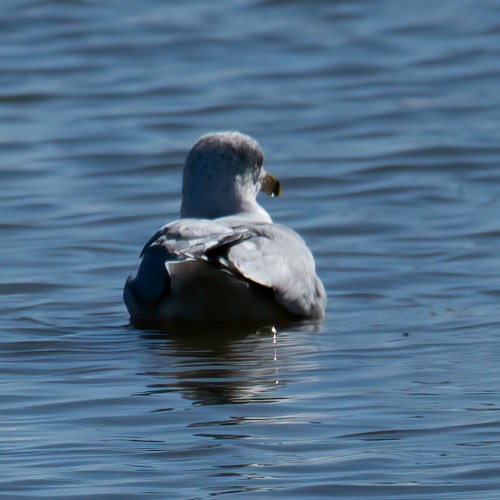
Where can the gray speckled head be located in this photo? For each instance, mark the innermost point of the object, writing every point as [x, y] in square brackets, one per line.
[231, 152]
[222, 176]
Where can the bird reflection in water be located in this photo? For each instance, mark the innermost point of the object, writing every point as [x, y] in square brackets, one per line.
[210, 366]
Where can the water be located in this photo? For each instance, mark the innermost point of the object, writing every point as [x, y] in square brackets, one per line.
[381, 121]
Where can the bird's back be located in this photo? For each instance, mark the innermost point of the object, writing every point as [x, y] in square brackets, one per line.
[224, 271]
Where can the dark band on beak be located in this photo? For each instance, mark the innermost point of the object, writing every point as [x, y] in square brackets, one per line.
[270, 185]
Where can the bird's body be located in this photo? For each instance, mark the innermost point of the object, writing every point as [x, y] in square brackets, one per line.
[224, 260]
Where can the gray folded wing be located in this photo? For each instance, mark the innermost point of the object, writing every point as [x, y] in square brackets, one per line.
[268, 254]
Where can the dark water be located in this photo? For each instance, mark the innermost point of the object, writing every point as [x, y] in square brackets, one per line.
[382, 121]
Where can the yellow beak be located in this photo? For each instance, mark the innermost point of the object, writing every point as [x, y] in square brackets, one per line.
[270, 185]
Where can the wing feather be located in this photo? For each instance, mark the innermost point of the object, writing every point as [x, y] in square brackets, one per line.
[268, 254]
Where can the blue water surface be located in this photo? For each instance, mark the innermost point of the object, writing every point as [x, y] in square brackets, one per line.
[382, 120]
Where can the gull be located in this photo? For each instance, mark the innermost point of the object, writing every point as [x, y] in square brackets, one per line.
[224, 260]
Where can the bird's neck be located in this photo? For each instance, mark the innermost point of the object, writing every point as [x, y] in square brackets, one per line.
[213, 207]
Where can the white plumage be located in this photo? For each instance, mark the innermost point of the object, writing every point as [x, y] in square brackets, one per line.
[224, 260]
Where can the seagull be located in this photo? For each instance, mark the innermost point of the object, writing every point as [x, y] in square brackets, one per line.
[224, 260]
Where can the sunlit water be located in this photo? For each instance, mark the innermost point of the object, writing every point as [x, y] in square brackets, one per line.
[382, 121]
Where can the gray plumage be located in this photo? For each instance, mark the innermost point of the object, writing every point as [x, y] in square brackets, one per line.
[225, 260]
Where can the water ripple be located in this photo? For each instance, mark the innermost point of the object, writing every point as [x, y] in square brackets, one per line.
[381, 122]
